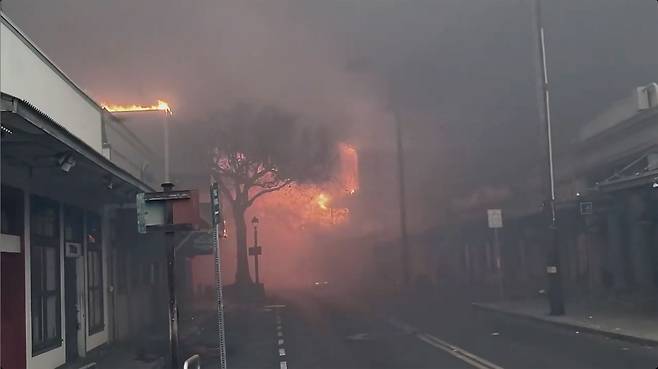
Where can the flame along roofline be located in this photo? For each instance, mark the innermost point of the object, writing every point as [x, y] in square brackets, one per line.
[161, 106]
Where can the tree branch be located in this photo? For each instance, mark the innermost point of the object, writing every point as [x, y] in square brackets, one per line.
[225, 190]
[268, 190]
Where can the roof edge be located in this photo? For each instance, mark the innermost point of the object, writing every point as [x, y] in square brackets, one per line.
[42, 55]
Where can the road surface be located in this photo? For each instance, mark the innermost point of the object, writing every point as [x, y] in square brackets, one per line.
[318, 329]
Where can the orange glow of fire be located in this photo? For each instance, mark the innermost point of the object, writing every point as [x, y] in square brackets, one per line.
[349, 168]
[160, 106]
[322, 200]
[317, 204]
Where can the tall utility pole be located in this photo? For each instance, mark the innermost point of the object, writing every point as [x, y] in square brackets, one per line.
[555, 296]
[402, 203]
[167, 186]
[166, 122]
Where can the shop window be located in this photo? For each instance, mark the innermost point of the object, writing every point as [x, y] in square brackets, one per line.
[95, 307]
[45, 275]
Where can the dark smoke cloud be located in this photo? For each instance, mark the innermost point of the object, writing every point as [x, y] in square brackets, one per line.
[459, 73]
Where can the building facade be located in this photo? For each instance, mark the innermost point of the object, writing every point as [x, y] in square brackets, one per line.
[74, 274]
[607, 207]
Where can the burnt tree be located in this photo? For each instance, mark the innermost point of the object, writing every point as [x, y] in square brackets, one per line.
[259, 150]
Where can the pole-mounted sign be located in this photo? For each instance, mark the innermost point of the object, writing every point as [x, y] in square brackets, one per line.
[167, 212]
[495, 218]
[218, 231]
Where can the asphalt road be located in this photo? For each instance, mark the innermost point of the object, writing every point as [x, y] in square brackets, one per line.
[318, 329]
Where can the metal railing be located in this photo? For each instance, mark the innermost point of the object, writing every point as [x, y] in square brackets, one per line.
[194, 362]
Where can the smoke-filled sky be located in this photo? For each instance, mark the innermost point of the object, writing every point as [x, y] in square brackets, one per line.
[460, 74]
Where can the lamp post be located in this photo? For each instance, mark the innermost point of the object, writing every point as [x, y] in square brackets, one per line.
[555, 296]
[406, 274]
[255, 250]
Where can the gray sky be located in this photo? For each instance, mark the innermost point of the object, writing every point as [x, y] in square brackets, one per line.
[459, 73]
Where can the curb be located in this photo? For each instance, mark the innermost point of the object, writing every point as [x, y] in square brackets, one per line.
[566, 325]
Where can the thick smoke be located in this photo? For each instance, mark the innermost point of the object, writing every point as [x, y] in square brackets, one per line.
[459, 74]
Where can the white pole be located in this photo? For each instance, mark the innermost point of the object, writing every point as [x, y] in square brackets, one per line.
[167, 178]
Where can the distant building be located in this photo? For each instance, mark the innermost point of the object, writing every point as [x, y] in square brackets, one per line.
[607, 202]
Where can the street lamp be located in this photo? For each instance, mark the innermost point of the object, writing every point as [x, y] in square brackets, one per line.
[256, 250]
[406, 274]
[555, 297]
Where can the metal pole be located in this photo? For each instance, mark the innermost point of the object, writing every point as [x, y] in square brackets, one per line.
[256, 254]
[171, 279]
[499, 266]
[555, 297]
[167, 178]
[217, 221]
[402, 203]
[0, 187]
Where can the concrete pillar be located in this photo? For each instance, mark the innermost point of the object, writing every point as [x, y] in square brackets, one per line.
[614, 260]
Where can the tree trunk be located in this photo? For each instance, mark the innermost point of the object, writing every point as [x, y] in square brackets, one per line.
[242, 276]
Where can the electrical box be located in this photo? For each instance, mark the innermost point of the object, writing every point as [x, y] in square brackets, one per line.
[152, 208]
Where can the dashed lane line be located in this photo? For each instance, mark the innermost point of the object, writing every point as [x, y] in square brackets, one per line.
[283, 364]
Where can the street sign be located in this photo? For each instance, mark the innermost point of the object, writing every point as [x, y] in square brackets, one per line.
[149, 213]
[586, 208]
[495, 218]
[255, 250]
[152, 207]
[214, 199]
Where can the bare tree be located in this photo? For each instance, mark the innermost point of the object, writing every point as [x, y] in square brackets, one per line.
[257, 151]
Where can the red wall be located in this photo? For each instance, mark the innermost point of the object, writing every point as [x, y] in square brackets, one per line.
[12, 290]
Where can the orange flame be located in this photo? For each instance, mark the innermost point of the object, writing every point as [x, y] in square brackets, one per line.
[349, 171]
[323, 200]
[160, 106]
[318, 204]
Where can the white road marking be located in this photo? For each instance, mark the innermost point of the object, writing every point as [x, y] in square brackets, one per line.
[279, 332]
[358, 337]
[458, 352]
[451, 349]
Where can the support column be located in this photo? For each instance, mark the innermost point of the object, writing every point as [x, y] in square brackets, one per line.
[638, 242]
[614, 256]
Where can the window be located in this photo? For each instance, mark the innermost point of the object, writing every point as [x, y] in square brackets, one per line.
[95, 308]
[11, 211]
[45, 275]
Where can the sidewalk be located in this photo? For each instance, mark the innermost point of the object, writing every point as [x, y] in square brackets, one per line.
[115, 357]
[592, 317]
